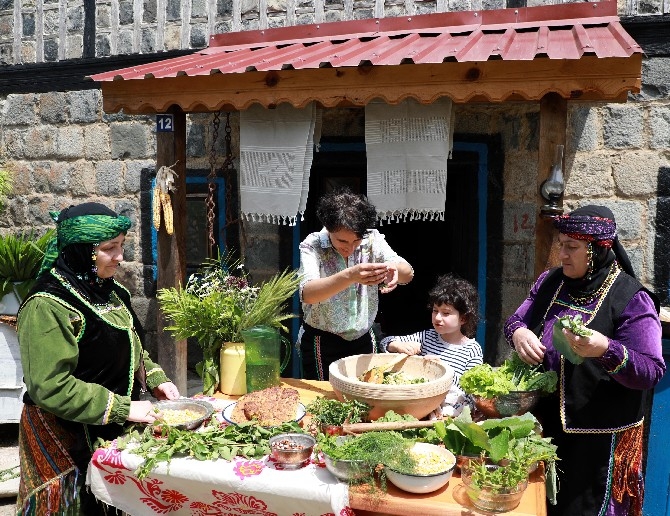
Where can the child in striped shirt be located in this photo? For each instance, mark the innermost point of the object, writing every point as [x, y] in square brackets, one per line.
[454, 302]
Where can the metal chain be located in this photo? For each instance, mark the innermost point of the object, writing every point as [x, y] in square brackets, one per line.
[229, 170]
[211, 187]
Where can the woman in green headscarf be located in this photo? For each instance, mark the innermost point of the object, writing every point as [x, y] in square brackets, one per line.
[83, 362]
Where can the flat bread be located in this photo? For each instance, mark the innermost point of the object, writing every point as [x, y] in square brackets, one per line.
[270, 407]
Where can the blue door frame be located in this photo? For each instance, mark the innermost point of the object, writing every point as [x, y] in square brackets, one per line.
[657, 475]
[481, 150]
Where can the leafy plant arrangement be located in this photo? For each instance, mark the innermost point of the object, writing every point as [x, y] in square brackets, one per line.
[218, 302]
[560, 341]
[334, 412]
[513, 440]
[513, 375]
[248, 440]
[20, 259]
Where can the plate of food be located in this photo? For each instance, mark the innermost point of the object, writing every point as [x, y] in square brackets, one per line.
[183, 413]
[270, 407]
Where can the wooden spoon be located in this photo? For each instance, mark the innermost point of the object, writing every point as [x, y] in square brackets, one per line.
[376, 374]
[354, 428]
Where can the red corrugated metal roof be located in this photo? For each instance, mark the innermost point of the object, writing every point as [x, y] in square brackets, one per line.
[567, 31]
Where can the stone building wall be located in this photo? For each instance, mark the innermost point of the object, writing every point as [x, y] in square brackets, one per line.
[64, 149]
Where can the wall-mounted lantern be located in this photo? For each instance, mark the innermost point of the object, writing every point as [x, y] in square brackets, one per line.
[553, 187]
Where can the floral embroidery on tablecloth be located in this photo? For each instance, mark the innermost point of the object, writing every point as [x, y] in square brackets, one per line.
[162, 502]
[109, 456]
[235, 503]
[248, 468]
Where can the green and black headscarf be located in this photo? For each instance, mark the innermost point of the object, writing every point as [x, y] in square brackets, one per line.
[78, 230]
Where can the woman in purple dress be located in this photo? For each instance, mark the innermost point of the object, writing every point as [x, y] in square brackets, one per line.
[596, 417]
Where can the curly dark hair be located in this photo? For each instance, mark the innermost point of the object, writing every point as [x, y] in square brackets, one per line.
[451, 289]
[343, 209]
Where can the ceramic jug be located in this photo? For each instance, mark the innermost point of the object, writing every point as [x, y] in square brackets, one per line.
[263, 357]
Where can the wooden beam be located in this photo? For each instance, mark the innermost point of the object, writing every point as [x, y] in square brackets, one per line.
[553, 125]
[171, 150]
[588, 78]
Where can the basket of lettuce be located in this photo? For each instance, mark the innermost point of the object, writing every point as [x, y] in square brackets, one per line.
[512, 389]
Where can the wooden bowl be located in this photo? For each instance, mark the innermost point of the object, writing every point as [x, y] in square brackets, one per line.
[418, 399]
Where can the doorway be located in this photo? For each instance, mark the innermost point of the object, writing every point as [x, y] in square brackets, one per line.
[463, 243]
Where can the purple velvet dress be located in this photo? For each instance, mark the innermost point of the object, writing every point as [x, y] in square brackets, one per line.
[633, 364]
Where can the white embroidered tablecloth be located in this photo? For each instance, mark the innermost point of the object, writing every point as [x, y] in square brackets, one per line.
[215, 488]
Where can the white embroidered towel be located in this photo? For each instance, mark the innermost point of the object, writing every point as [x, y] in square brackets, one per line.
[407, 150]
[276, 151]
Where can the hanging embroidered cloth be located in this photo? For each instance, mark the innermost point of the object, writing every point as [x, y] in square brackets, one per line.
[276, 152]
[407, 150]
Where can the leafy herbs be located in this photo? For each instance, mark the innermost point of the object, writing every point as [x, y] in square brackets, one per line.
[218, 303]
[334, 412]
[426, 435]
[575, 325]
[513, 375]
[226, 442]
[497, 479]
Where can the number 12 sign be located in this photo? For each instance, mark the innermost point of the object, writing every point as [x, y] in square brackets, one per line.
[164, 123]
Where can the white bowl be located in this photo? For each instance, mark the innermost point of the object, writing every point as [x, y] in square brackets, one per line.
[428, 482]
[418, 399]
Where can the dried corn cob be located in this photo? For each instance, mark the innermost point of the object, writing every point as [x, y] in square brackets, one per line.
[167, 213]
[156, 206]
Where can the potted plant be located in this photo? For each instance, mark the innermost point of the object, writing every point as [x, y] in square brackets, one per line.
[20, 259]
[218, 303]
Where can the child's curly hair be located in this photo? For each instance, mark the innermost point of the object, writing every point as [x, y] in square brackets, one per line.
[451, 289]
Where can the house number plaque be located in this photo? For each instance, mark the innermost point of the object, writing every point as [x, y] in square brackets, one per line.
[164, 123]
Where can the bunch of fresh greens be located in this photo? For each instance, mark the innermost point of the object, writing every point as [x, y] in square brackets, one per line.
[513, 375]
[246, 440]
[334, 412]
[372, 449]
[218, 303]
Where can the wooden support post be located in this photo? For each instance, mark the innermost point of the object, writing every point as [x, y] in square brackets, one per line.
[171, 149]
[553, 125]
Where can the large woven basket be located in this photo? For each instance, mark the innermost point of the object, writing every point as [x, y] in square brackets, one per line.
[418, 399]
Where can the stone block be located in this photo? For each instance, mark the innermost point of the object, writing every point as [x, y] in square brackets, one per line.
[84, 105]
[224, 8]
[39, 142]
[623, 126]
[133, 175]
[129, 141]
[14, 142]
[75, 19]
[655, 74]
[172, 37]
[333, 15]
[51, 50]
[109, 178]
[149, 11]
[173, 10]
[590, 175]
[124, 44]
[19, 109]
[103, 16]
[38, 208]
[148, 40]
[83, 179]
[583, 128]
[59, 177]
[69, 141]
[28, 22]
[276, 6]
[28, 52]
[198, 37]
[659, 124]
[198, 9]
[96, 142]
[74, 47]
[636, 173]
[126, 13]
[51, 22]
[22, 178]
[52, 107]
[277, 20]
[102, 45]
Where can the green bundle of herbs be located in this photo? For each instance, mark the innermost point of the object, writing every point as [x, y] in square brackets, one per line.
[334, 412]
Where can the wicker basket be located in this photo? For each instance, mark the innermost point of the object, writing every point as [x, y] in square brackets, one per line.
[418, 399]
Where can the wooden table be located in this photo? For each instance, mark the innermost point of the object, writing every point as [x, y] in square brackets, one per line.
[451, 500]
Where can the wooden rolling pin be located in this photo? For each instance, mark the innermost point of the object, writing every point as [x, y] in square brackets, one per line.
[356, 428]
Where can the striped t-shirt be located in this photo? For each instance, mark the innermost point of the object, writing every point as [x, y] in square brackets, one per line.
[460, 357]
